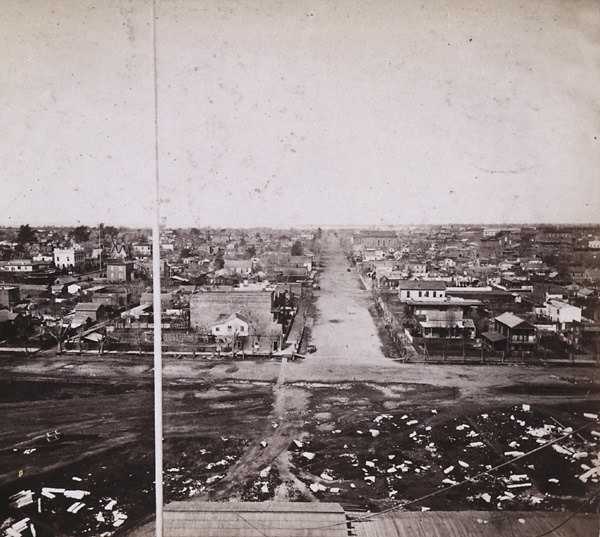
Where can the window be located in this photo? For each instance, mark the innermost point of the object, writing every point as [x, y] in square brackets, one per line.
[217, 328]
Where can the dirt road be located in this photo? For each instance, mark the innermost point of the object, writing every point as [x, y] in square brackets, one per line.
[344, 331]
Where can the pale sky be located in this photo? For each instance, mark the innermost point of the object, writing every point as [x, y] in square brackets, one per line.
[291, 113]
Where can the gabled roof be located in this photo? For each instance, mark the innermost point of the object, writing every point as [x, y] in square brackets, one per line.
[224, 318]
[423, 285]
[394, 275]
[87, 306]
[493, 336]
[511, 320]
[585, 292]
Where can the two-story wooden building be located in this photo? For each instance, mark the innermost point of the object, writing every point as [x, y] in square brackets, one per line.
[511, 334]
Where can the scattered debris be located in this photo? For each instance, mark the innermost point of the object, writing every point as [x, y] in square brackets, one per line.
[21, 499]
[75, 494]
[265, 472]
[518, 485]
[75, 507]
[326, 476]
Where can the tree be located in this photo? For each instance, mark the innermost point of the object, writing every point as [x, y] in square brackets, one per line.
[219, 263]
[297, 248]
[109, 231]
[25, 235]
[59, 331]
[250, 252]
[81, 234]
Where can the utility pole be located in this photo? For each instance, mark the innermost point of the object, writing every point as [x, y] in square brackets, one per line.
[158, 413]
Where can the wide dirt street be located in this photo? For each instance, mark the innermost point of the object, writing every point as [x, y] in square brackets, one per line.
[347, 424]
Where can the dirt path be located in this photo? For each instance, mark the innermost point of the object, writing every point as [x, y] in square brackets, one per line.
[269, 449]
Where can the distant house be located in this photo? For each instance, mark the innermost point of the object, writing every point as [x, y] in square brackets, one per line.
[119, 270]
[23, 266]
[233, 329]
[244, 267]
[289, 273]
[388, 280]
[413, 289]
[73, 288]
[299, 261]
[416, 268]
[118, 251]
[584, 292]
[374, 239]
[445, 323]
[141, 249]
[65, 258]
[562, 313]
[511, 334]
[238, 308]
[88, 310]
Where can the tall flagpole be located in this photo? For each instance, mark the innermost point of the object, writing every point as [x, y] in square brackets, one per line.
[158, 421]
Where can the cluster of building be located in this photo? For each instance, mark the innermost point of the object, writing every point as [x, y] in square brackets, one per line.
[222, 290]
[508, 289]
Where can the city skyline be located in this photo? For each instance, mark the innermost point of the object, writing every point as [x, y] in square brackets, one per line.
[296, 115]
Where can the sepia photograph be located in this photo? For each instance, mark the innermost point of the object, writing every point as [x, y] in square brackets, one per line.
[281, 268]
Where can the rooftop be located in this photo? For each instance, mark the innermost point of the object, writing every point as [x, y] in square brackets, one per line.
[250, 519]
[510, 320]
[428, 285]
[477, 524]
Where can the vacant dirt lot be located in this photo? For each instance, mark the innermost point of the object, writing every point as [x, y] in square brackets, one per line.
[346, 424]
